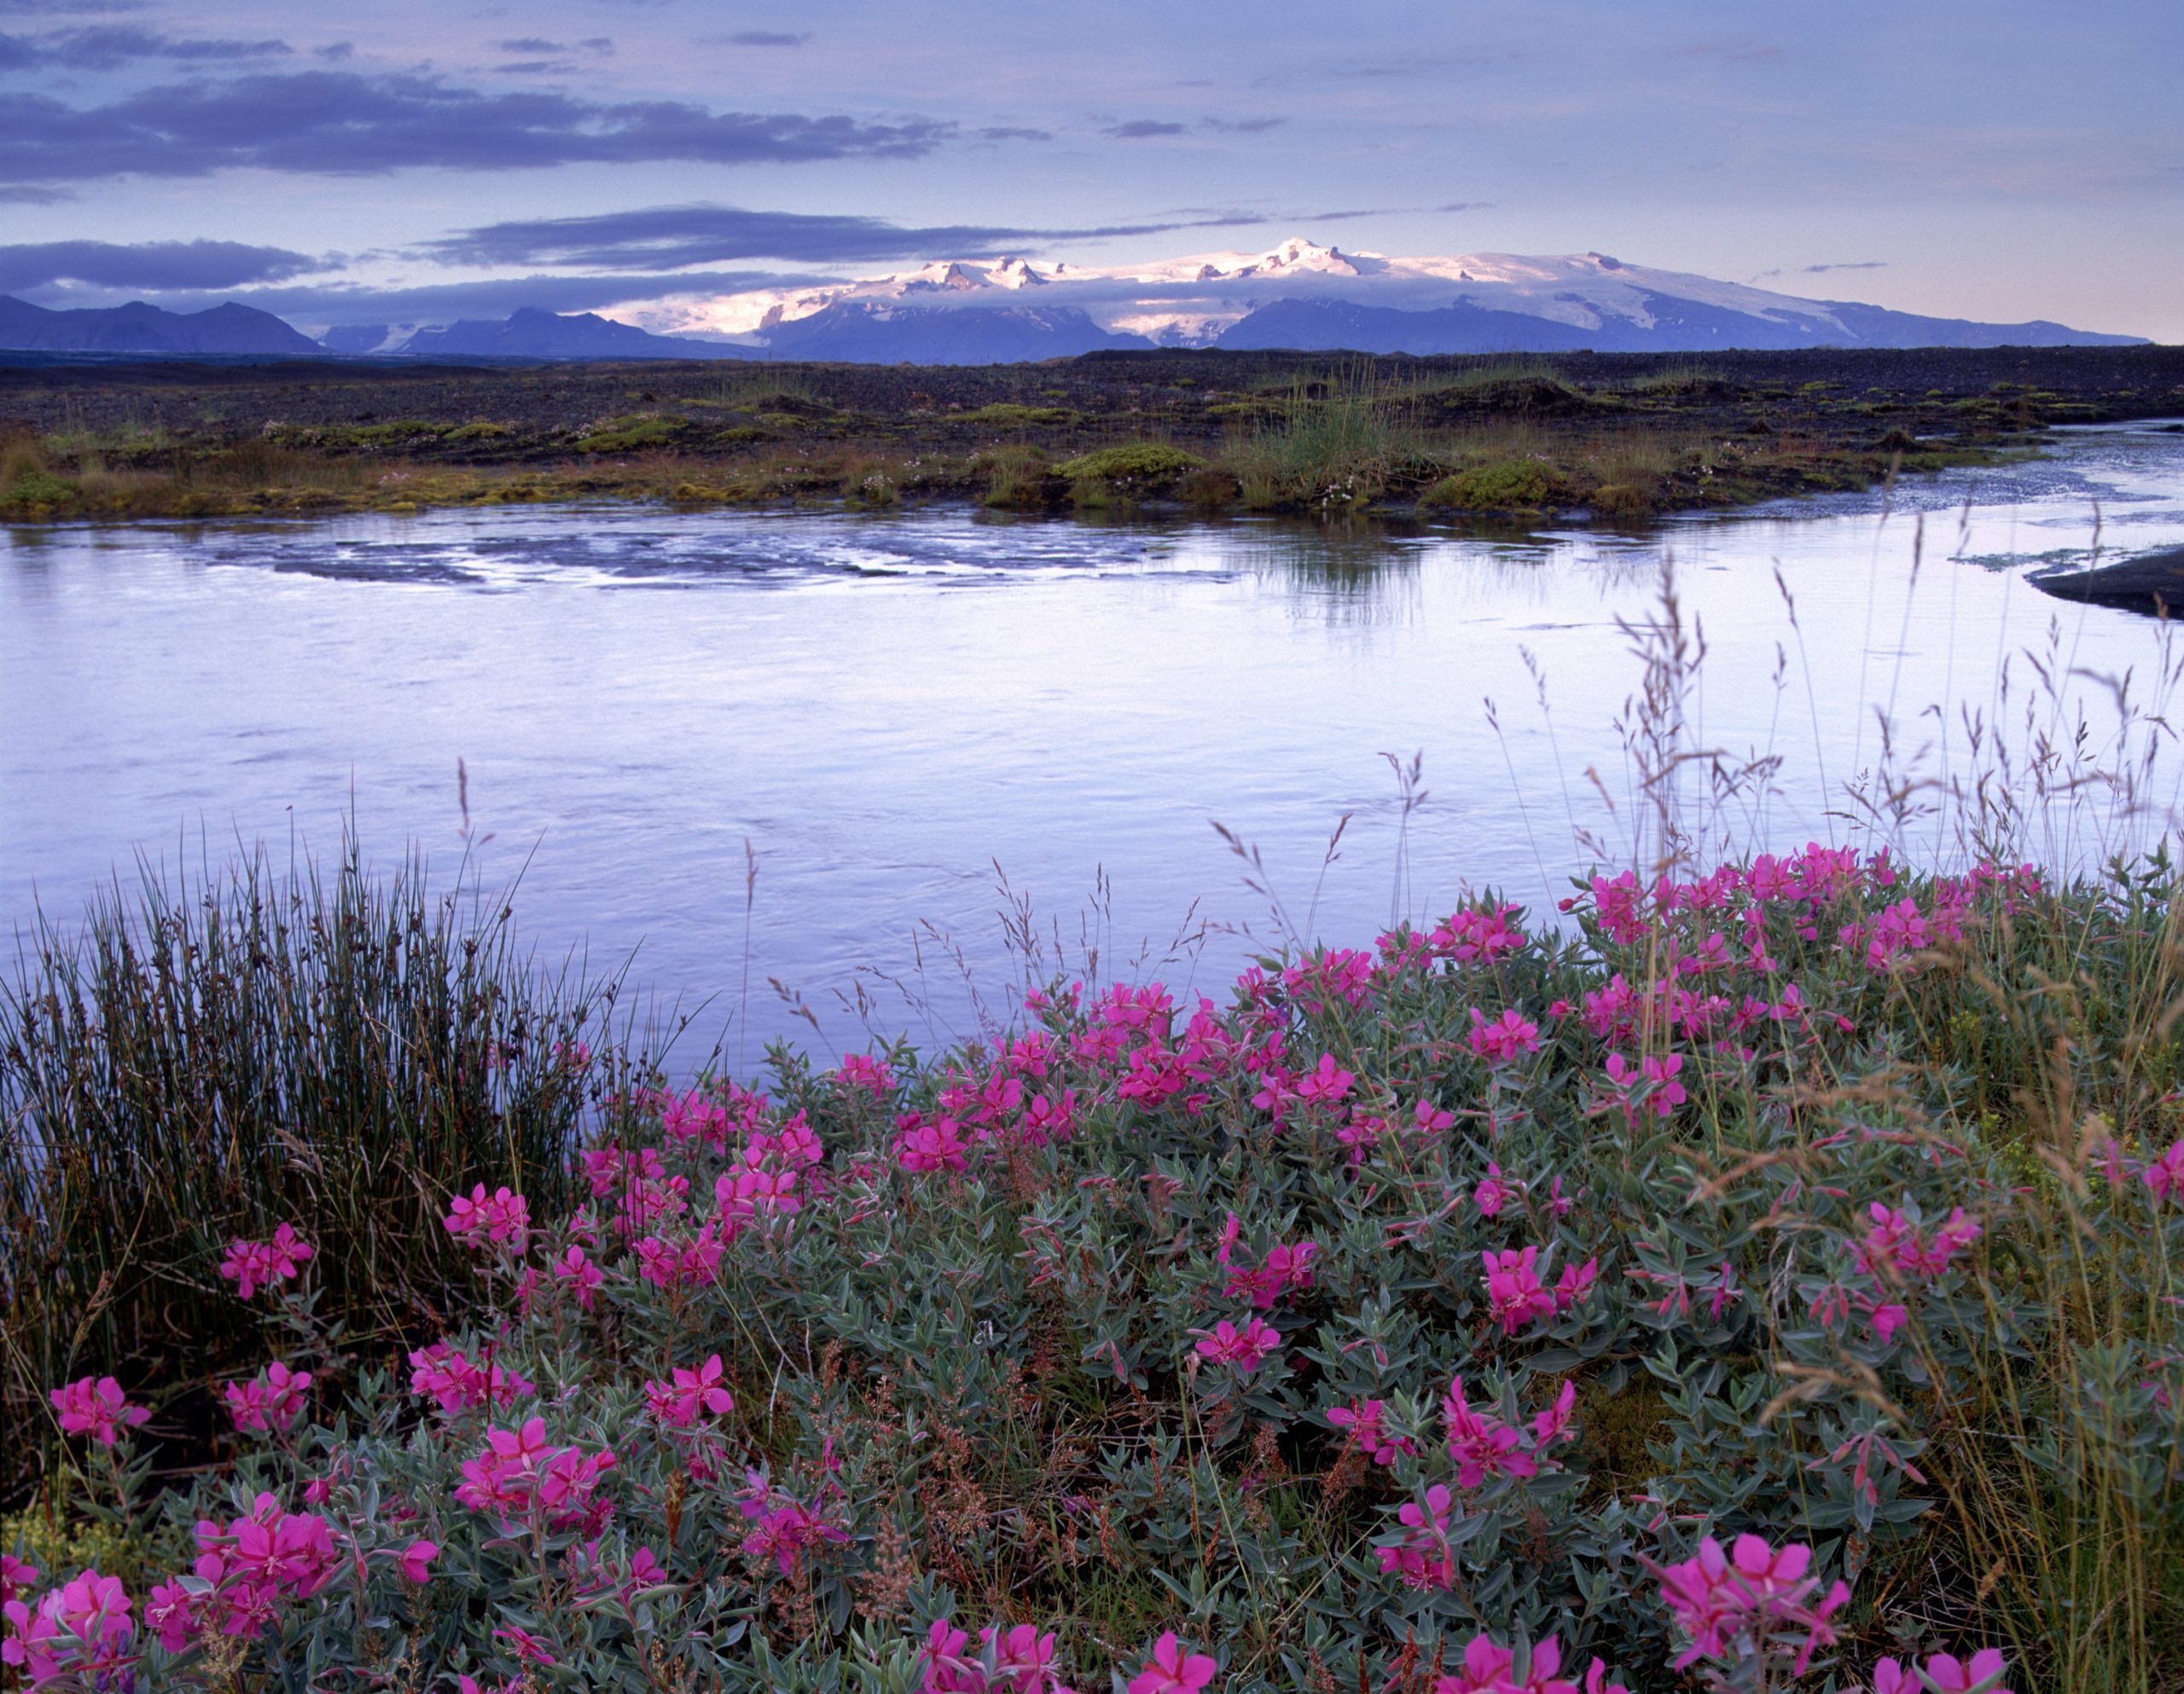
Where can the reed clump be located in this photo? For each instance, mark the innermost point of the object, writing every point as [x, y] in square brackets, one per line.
[202, 1058]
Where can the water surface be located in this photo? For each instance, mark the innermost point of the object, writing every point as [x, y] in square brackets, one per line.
[884, 708]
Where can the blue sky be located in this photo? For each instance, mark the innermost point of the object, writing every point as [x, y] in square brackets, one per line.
[1997, 160]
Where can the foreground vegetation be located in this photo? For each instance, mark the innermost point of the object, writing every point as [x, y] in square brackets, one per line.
[1770, 1279]
[1620, 438]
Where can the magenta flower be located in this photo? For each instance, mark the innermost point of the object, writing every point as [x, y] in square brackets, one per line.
[1361, 1417]
[17, 1577]
[1247, 1348]
[1725, 1601]
[934, 1144]
[271, 1401]
[1944, 1674]
[571, 1270]
[1172, 1670]
[252, 1265]
[459, 1383]
[1480, 1444]
[502, 1218]
[1488, 1669]
[1421, 1559]
[1508, 1038]
[79, 1635]
[417, 1561]
[1492, 1192]
[1327, 1084]
[98, 1409]
[691, 1395]
[1575, 1285]
[1515, 1295]
[2164, 1176]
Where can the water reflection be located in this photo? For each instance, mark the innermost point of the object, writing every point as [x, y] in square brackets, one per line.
[885, 705]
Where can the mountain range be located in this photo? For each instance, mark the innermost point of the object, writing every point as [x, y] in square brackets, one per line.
[1298, 295]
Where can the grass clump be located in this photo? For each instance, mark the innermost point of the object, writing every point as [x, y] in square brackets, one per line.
[204, 1059]
[1132, 470]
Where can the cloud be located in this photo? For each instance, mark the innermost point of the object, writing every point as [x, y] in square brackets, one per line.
[108, 46]
[600, 44]
[1003, 132]
[335, 51]
[668, 237]
[437, 302]
[763, 37]
[78, 8]
[29, 196]
[1822, 270]
[1250, 126]
[341, 123]
[157, 266]
[1141, 129]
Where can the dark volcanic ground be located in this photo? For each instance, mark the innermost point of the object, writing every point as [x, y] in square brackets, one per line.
[1190, 397]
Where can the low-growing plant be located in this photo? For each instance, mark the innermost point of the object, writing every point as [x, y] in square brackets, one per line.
[1492, 1302]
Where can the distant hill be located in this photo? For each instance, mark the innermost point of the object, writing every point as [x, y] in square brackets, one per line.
[534, 335]
[1667, 325]
[1298, 294]
[1304, 295]
[137, 328]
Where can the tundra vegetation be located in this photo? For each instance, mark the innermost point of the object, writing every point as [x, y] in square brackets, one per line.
[1620, 438]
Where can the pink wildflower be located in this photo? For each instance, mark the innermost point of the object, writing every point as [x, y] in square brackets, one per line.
[571, 1270]
[1514, 1293]
[1421, 1559]
[252, 1265]
[417, 1561]
[1488, 1669]
[1247, 1348]
[502, 1218]
[1492, 1194]
[692, 1395]
[1575, 1285]
[1173, 1670]
[98, 1409]
[1509, 1037]
[79, 1634]
[2164, 1176]
[1944, 1674]
[1722, 1600]
[270, 1401]
[17, 1577]
[1327, 1085]
[1361, 1417]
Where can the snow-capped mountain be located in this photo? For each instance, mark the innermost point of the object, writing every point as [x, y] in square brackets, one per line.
[1302, 294]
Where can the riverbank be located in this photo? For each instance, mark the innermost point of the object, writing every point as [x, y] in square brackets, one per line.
[1615, 438]
[1474, 1286]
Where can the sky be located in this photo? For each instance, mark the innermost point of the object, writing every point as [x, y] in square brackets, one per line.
[402, 160]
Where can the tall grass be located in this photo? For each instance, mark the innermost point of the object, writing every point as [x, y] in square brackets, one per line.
[204, 1059]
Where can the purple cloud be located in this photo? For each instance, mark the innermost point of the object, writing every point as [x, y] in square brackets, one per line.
[155, 266]
[343, 124]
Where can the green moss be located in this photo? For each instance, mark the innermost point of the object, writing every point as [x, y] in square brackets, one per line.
[1513, 485]
[479, 431]
[1022, 417]
[1134, 462]
[631, 432]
